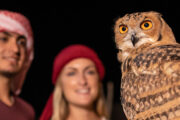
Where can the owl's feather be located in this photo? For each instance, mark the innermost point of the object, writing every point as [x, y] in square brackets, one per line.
[150, 84]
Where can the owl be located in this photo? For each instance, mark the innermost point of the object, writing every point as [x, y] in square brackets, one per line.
[150, 65]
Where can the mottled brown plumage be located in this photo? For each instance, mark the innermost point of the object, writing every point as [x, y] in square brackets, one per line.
[150, 56]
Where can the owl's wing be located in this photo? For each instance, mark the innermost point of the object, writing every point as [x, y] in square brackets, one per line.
[165, 59]
[171, 69]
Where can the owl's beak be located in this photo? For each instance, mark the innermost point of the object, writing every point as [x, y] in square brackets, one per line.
[134, 39]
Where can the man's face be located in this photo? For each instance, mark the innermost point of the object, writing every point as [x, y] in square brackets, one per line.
[12, 52]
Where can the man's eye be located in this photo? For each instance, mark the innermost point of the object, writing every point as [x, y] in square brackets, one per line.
[21, 42]
[3, 39]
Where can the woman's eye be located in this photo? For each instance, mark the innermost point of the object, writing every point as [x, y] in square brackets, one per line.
[70, 73]
[91, 72]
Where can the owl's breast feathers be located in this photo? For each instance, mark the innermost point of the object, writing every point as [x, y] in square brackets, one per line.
[153, 60]
[150, 85]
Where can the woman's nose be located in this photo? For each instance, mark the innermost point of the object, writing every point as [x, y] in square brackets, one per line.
[82, 79]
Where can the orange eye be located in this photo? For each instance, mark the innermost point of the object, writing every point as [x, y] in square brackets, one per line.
[123, 29]
[146, 25]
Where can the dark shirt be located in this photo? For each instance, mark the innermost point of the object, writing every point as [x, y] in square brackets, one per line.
[20, 110]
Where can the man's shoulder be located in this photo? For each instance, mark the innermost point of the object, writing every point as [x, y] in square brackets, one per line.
[20, 101]
[24, 106]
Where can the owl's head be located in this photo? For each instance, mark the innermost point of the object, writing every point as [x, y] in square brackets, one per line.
[137, 29]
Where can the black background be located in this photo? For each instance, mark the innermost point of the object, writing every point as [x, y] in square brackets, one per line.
[56, 25]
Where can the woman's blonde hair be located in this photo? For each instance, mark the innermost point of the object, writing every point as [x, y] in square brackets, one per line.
[60, 105]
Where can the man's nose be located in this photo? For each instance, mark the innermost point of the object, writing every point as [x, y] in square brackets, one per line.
[13, 46]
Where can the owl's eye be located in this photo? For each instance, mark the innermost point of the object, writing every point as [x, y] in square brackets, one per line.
[123, 29]
[146, 25]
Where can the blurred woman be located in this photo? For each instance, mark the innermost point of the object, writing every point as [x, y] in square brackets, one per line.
[77, 75]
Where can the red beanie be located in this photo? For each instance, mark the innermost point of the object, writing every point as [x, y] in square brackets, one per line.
[76, 51]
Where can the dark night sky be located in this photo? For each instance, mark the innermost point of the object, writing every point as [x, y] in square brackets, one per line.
[57, 25]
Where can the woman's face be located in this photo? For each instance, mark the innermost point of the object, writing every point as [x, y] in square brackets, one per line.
[80, 82]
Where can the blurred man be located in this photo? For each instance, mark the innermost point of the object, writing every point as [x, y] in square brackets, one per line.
[16, 54]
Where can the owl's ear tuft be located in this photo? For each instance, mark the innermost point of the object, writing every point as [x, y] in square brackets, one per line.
[166, 31]
[156, 13]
